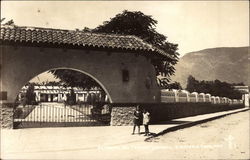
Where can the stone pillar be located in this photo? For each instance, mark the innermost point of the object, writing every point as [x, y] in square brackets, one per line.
[6, 116]
[65, 97]
[49, 97]
[19, 97]
[84, 97]
[58, 97]
[188, 98]
[38, 96]
[122, 115]
[246, 100]
[77, 97]
[176, 96]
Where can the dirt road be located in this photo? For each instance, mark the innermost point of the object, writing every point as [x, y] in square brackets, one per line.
[226, 138]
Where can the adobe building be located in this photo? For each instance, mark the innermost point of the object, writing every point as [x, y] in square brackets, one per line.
[59, 94]
[121, 64]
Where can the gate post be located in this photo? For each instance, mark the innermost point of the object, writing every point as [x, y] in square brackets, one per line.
[122, 115]
[6, 116]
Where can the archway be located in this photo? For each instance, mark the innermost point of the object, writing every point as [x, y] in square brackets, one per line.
[53, 103]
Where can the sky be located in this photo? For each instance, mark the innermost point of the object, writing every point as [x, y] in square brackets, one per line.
[193, 25]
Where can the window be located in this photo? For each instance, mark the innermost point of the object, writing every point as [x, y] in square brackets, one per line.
[3, 95]
[125, 75]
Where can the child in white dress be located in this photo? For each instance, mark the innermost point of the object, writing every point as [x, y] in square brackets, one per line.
[146, 119]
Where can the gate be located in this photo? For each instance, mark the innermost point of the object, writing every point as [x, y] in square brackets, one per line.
[61, 115]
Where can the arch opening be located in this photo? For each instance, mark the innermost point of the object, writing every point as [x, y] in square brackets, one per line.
[37, 79]
[61, 101]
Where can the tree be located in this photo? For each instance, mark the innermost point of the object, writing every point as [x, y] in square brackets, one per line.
[238, 84]
[30, 96]
[174, 85]
[75, 79]
[2, 19]
[143, 26]
[192, 84]
[71, 98]
[53, 83]
[129, 23]
[10, 22]
[215, 88]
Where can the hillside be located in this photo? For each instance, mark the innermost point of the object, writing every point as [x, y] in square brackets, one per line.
[230, 64]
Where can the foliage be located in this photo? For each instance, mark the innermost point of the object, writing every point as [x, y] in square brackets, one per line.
[53, 83]
[75, 79]
[143, 26]
[215, 88]
[128, 23]
[30, 96]
[2, 19]
[71, 98]
[18, 112]
[192, 84]
[238, 84]
[173, 85]
[10, 22]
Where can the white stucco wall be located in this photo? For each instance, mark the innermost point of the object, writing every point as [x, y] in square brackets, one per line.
[21, 63]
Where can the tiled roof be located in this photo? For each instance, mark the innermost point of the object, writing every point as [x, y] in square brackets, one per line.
[73, 38]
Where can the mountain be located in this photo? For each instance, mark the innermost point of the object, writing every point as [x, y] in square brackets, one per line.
[230, 64]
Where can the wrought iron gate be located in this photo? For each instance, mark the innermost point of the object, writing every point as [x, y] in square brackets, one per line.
[61, 115]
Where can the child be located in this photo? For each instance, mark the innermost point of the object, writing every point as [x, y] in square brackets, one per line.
[137, 115]
[146, 119]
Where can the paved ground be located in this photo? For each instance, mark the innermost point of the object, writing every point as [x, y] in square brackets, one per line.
[118, 143]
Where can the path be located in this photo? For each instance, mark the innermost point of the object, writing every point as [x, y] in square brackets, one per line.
[225, 138]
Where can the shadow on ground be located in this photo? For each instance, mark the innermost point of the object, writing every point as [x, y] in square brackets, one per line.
[170, 122]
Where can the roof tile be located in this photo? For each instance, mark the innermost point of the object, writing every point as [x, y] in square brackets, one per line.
[76, 38]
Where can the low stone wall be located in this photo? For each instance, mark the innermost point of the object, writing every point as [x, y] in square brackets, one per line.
[168, 111]
[6, 117]
[123, 115]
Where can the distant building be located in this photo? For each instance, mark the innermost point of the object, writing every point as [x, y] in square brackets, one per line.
[59, 94]
[242, 89]
[245, 93]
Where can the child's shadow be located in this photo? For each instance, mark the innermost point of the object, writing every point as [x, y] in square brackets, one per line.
[149, 134]
[152, 134]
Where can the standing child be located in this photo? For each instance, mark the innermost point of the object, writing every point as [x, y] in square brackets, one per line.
[146, 119]
[137, 119]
